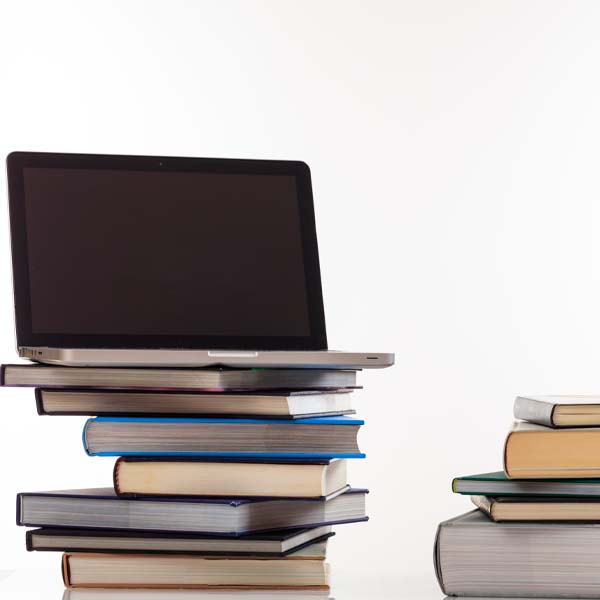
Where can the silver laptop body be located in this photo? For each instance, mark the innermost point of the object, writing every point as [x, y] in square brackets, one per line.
[161, 261]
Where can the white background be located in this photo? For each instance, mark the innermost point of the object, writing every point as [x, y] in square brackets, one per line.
[455, 152]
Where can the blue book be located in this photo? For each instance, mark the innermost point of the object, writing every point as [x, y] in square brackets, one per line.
[316, 438]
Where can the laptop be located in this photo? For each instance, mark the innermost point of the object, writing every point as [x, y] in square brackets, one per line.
[160, 261]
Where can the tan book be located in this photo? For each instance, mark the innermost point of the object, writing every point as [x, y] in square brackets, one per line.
[559, 411]
[535, 451]
[513, 508]
[305, 569]
[135, 476]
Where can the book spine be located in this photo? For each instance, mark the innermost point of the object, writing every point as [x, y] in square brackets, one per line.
[39, 402]
[29, 540]
[3, 374]
[19, 502]
[66, 572]
[437, 563]
[534, 411]
[84, 437]
[116, 470]
[505, 455]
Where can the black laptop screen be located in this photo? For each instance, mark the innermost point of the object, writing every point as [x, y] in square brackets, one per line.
[172, 254]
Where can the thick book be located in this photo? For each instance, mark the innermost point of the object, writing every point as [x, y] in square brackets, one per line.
[535, 451]
[559, 411]
[498, 484]
[326, 437]
[288, 404]
[275, 543]
[476, 557]
[101, 508]
[36, 375]
[511, 508]
[139, 476]
[304, 568]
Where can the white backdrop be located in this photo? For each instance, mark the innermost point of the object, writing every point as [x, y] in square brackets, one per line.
[454, 149]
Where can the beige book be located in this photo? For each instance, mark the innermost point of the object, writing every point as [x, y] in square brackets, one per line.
[134, 477]
[513, 508]
[303, 569]
[535, 451]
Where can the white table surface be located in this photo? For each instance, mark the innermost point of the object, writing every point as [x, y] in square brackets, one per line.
[45, 584]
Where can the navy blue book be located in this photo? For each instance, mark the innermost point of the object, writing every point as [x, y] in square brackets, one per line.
[101, 508]
[272, 543]
[326, 437]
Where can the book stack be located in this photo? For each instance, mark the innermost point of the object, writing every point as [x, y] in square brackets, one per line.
[536, 530]
[224, 478]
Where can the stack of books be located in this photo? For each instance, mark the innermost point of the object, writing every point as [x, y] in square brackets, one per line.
[226, 478]
[536, 530]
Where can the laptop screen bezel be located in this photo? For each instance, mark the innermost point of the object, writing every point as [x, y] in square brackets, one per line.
[18, 161]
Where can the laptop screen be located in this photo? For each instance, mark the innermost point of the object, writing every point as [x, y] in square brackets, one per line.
[164, 257]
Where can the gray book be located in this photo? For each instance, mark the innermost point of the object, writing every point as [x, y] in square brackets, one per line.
[476, 557]
[559, 411]
[101, 508]
[33, 375]
[264, 404]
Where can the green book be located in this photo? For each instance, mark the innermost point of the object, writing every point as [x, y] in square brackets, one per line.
[498, 484]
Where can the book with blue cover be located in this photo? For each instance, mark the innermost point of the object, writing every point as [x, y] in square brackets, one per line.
[101, 508]
[326, 437]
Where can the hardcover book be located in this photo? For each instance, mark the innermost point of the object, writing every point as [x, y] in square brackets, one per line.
[327, 437]
[559, 411]
[305, 568]
[531, 508]
[498, 484]
[534, 451]
[286, 404]
[476, 557]
[138, 476]
[274, 543]
[101, 508]
[37, 375]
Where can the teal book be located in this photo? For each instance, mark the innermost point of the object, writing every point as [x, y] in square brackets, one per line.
[498, 484]
[315, 438]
